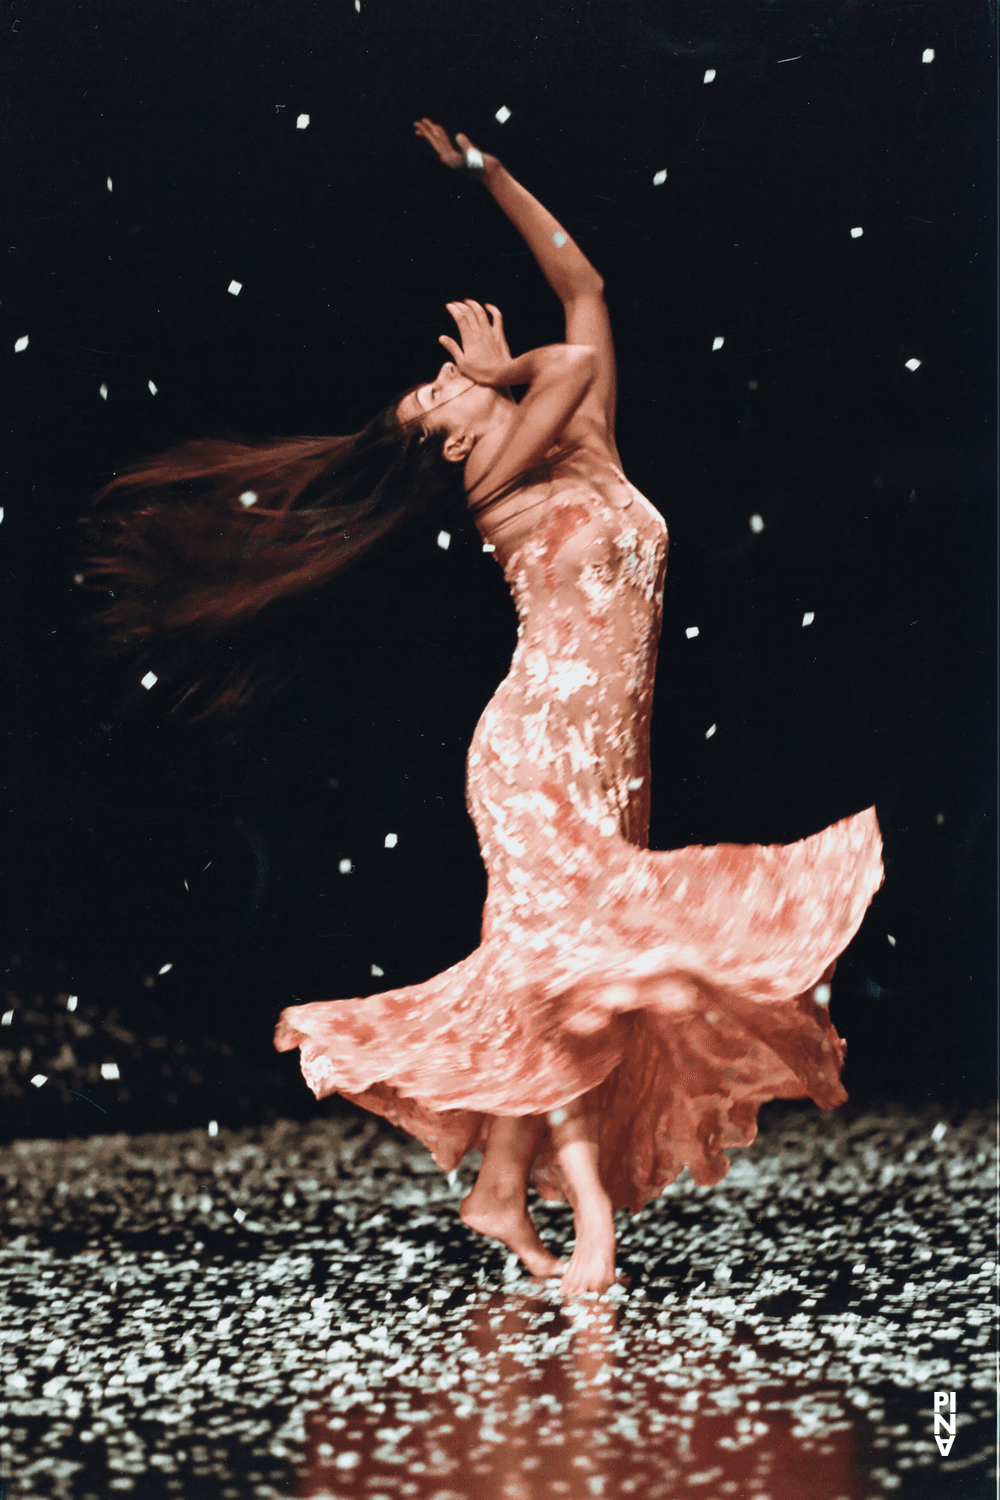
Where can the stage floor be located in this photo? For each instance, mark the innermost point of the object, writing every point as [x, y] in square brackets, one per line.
[781, 1335]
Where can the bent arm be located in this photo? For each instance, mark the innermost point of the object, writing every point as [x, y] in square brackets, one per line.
[578, 286]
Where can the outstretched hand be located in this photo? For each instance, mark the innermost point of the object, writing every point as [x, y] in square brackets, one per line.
[438, 138]
[483, 355]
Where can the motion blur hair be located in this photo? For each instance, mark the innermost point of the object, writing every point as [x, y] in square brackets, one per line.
[193, 544]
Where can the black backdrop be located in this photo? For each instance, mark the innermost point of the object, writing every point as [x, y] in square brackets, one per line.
[876, 485]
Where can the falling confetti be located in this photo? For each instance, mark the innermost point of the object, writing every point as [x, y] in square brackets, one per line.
[152, 388]
[709, 75]
[858, 1270]
[390, 841]
[892, 940]
[607, 826]
[248, 498]
[166, 969]
[717, 343]
[8, 1018]
[110, 1070]
[213, 1127]
[635, 783]
[913, 364]
[39, 1079]
[379, 973]
[660, 177]
[239, 1215]
[939, 818]
[345, 867]
[691, 632]
[857, 233]
[71, 1003]
[939, 1132]
[928, 55]
[109, 185]
[710, 732]
[821, 994]
[103, 392]
[21, 345]
[723, 1273]
[756, 523]
[559, 238]
[235, 287]
[149, 680]
[489, 547]
[503, 114]
[444, 540]
[808, 617]
[302, 122]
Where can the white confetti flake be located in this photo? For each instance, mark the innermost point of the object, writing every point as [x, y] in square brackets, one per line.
[390, 841]
[110, 189]
[103, 392]
[858, 1270]
[357, 6]
[559, 238]
[939, 818]
[166, 969]
[928, 55]
[636, 783]
[857, 233]
[1, 513]
[489, 547]
[248, 498]
[149, 680]
[808, 617]
[239, 1215]
[503, 114]
[213, 1127]
[110, 1070]
[557, 1116]
[691, 632]
[347, 1460]
[939, 1132]
[235, 287]
[302, 122]
[709, 75]
[454, 1180]
[821, 994]
[39, 1079]
[21, 344]
[444, 540]
[660, 177]
[892, 940]
[756, 523]
[988, 1266]
[607, 826]
[7, 1019]
[345, 867]
[913, 364]
[710, 732]
[723, 1273]
[717, 343]
[152, 388]
[71, 1003]
[379, 973]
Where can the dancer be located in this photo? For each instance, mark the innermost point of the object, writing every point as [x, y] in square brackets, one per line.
[627, 1010]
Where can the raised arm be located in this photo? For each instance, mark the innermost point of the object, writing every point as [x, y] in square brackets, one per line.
[579, 287]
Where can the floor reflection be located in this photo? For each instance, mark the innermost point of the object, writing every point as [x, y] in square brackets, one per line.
[581, 1399]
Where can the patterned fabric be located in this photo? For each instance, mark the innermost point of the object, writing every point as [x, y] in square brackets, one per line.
[673, 987]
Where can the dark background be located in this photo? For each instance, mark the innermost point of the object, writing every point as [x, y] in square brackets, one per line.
[876, 486]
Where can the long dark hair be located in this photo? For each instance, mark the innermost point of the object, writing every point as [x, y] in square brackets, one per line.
[193, 544]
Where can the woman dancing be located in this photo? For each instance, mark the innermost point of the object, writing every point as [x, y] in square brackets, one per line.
[627, 1011]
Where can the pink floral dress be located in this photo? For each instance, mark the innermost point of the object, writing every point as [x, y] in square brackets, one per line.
[676, 988]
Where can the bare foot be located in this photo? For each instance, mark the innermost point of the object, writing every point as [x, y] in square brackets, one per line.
[510, 1223]
[592, 1265]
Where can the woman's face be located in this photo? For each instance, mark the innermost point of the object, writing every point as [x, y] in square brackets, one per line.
[452, 403]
